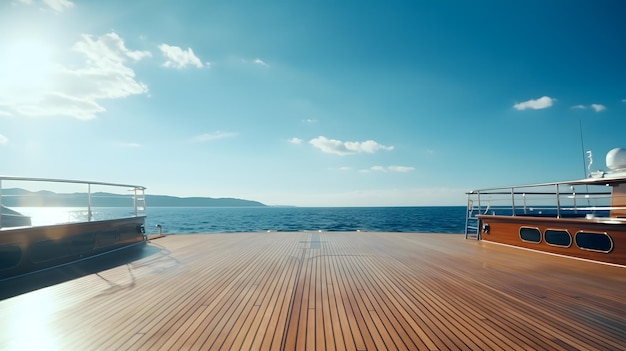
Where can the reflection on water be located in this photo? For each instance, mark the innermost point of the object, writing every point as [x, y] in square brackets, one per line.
[53, 215]
[57, 215]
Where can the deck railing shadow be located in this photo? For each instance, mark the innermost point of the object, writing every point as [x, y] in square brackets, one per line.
[56, 275]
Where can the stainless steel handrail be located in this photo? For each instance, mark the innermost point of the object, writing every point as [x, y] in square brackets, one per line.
[56, 180]
[135, 188]
[548, 196]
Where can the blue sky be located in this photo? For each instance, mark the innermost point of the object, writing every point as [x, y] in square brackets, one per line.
[311, 103]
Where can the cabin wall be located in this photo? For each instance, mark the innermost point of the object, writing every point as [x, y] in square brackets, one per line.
[618, 199]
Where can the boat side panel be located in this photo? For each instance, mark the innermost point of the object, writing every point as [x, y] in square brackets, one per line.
[14, 220]
[30, 249]
[506, 230]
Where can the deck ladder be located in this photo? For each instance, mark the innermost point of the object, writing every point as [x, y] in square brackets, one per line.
[472, 223]
[139, 200]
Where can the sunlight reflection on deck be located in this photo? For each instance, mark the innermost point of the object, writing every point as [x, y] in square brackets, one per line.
[30, 322]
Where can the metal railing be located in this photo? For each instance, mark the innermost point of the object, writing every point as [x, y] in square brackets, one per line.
[21, 194]
[566, 199]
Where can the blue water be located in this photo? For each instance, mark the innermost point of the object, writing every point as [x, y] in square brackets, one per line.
[255, 219]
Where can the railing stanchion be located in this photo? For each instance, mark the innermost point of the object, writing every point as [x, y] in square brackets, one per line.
[513, 200]
[89, 216]
[558, 202]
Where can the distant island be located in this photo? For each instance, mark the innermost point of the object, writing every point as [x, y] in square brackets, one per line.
[17, 197]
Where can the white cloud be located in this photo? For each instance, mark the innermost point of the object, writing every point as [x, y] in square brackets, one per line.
[213, 136]
[310, 121]
[595, 107]
[108, 50]
[127, 145]
[59, 5]
[393, 169]
[598, 107]
[401, 169]
[179, 58]
[76, 92]
[3, 139]
[56, 5]
[337, 147]
[59, 104]
[538, 104]
[138, 55]
[106, 75]
[623, 100]
[378, 169]
[296, 141]
[258, 61]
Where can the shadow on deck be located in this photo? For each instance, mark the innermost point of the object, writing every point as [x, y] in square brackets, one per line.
[25, 283]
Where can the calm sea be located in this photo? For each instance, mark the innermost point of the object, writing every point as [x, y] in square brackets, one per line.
[253, 219]
[176, 220]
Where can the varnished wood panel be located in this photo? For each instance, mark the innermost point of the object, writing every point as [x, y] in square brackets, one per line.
[327, 291]
[505, 230]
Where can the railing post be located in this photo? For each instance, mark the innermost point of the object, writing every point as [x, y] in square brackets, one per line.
[89, 202]
[468, 214]
[524, 197]
[513, 200]
[135, 200]
[143, 197]
[558, 202]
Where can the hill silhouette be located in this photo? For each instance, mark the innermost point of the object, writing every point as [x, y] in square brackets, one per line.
[17, 197]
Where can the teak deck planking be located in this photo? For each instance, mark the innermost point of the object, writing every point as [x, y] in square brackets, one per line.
[327, 291]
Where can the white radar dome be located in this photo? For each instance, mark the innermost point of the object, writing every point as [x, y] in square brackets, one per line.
[616, 159]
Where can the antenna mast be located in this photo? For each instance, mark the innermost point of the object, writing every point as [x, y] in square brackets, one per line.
[582, 147]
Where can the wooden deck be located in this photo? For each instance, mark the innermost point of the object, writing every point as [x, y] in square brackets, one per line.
[326, 291]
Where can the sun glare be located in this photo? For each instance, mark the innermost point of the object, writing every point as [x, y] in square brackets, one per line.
[26, 64]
